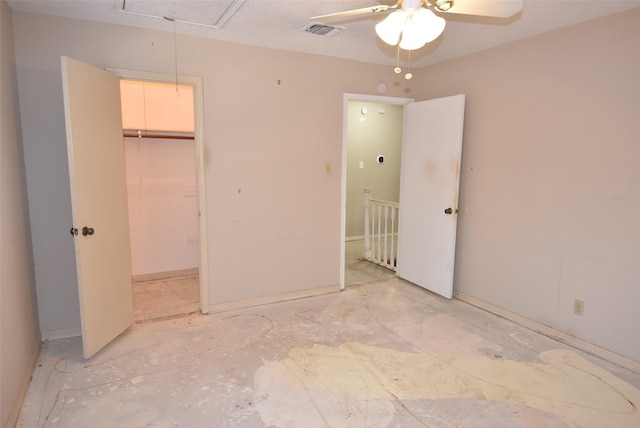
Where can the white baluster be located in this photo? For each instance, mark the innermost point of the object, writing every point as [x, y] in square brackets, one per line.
[367, 230]
[379, 246]
[393, 228]
[386, 235]
[377, 251]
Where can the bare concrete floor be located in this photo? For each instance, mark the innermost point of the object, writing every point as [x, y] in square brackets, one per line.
[165, 298]
[360, 271]
[383, 353]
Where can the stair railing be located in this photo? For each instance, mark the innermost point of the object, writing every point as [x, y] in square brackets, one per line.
[380, 231]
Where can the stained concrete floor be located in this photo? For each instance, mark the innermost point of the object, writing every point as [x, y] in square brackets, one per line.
[383, 353]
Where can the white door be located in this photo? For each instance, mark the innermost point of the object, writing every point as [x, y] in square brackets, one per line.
[99, 202]
[429, 179]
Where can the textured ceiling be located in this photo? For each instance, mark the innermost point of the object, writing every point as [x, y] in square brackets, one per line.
[278, 23]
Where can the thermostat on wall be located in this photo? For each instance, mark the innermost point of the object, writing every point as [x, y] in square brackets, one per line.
[380, 159]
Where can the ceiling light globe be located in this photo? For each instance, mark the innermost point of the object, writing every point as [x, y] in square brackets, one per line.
[389, 30]
[422, 27]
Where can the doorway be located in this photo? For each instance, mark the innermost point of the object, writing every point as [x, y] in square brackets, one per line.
[175, 145]
[370, 128]
[97, 177]
[158, 127]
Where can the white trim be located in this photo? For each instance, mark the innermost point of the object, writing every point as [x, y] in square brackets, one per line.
[196, 82]
[558, 335]
[164, 275]
[354, 238]
[345, 128]
[242, 304]
[61, 334]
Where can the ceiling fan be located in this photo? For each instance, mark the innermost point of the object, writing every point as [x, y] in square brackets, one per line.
[412, 24]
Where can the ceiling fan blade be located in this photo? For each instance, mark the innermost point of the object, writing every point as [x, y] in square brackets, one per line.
[493, 8]
[354, 12]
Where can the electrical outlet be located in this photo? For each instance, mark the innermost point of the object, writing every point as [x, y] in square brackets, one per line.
[578, 307]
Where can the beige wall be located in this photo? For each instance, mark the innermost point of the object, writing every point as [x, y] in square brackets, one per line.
[272, 119]
[368, 136]
[163, 213]
[19, 337]
[153, 106]
[551, 173]
[550, 165]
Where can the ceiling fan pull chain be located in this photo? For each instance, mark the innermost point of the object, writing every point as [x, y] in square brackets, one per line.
[175, 51]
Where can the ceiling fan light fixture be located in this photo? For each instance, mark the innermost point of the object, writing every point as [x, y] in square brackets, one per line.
[412, 28]
[390, 28]
[422, 26]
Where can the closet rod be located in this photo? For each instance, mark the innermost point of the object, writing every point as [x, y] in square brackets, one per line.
[167, 136]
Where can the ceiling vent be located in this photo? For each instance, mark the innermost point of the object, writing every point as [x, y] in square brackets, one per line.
[322, 30]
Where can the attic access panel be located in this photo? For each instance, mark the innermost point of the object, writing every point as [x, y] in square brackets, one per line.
[209, 13]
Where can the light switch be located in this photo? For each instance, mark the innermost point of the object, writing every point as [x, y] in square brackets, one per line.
[361, 165]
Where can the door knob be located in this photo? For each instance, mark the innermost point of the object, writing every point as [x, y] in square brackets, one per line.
[448, 211]
[73, 231]
[87, 231]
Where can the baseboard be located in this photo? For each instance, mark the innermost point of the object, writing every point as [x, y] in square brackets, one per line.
[558, 335]
[24, 386]
[248, 303]
[61, 334]
[164, 275]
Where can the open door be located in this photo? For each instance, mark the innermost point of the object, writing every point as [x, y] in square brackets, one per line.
[99, 202]
[429, 181]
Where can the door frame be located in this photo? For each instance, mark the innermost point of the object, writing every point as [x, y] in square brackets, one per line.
[196, 82]
[347, 97]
